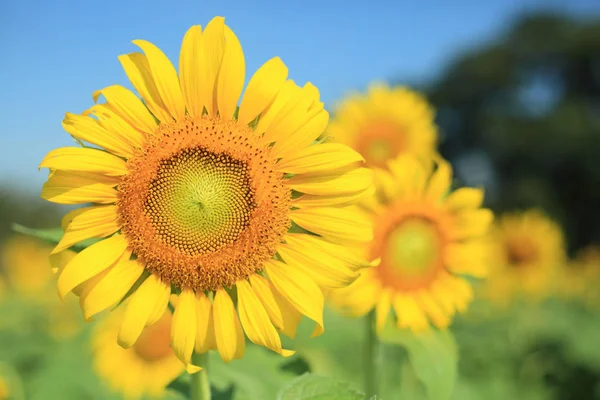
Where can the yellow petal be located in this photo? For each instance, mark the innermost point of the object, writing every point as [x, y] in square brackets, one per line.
[288, 93]
[290, 116]
[298, 289]
[464, 198]
[337, 224]
[118, 127]
[330, 253]
[65, 187]
[360, 297]
[228, 331]
[323, 268]
[301, 135]
[90, 130]
[91, 261]
[440, 181]
[213, 44]
[159, 306]
[141, 304]
[112, 288]
[263, 289]
[128, 106]
[409, 174]
[84, 160]
[137, 68]
[318, 158]
[291, 317]
[409, 314]
[165, 78]
[472, 223]
[190, 70]
[469, 258]
[68, 217]
[312, 200]
[262, 89]
[433, 310]
[89, 222]
[461, 290]
[184, 326]
[205, 334]
[382, 310]
[333, 183]
[255, 320]
[230, 80]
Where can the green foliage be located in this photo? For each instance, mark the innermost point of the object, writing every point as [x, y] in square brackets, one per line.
[314, 387]
[258, 375]
[433, 357]
[52, 236]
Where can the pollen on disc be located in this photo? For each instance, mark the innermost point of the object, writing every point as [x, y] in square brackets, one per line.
[202, 205]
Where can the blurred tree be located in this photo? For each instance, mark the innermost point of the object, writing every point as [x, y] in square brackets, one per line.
[521, 116]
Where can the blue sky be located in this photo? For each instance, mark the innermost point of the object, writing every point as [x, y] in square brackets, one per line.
[55, 54]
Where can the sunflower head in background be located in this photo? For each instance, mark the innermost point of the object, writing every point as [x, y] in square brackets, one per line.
[580, 279]
[235, 210]
[384, 123]
[428, 238]
[146, 368]
[528, 255]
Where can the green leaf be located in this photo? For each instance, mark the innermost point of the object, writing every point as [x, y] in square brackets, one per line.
[51, 236]
[258, 375]
[314, 387]
[433, 356]
[48, 235]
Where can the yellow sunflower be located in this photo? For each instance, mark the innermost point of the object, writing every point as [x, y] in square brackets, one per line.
[527, 257]
[580, 279]
[426, 238]
[144, 369]
[197, 197]
[384, 123]
[24, 262]
[4, 391]
[28, 273]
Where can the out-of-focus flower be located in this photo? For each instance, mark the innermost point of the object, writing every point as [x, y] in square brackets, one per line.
[28, 273]
[25, 264]
[193, 194]
[384, 123]
[528, 254]
[146, 368]
[428, 239]
[581, 278]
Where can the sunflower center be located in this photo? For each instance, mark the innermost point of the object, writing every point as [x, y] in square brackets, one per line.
[521, 252]
[379, 141]
[411, 246]
[202, 205]
[199, 201]
[154, 342]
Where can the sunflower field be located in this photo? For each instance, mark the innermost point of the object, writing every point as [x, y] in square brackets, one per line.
[208, 230]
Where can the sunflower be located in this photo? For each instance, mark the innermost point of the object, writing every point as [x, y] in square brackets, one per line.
[580, 278]
[527, 257]
[216, 204]
[144, 369]
[28, 274]
[24, 262]
[426, 239]
[4, 391]
[384, 123]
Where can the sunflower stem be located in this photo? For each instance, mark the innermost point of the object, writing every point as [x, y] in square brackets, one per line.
[371, 356]
[200, 385]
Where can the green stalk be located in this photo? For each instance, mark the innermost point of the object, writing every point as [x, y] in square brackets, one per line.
[371, 356]
[200, 386]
